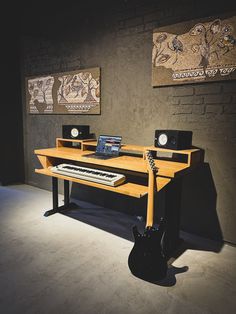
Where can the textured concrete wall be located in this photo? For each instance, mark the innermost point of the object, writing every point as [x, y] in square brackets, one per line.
[120, 42]
[11, 130]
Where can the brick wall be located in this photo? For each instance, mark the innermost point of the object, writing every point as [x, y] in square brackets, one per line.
[118, 38]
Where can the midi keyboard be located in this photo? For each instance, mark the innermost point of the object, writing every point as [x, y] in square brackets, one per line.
[89, 174]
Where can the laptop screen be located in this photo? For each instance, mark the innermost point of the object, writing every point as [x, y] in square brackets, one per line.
[108, 145]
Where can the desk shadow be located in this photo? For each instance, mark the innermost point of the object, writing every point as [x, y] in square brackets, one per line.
[120, 224]
[112, 221]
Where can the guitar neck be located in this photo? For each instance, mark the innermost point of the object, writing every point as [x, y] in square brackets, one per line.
[150, 200]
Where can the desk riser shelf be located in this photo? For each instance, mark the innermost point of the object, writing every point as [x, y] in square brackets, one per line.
[194, 155]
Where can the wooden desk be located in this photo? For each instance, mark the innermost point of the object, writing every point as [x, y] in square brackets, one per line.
[131, 160]
[131, 163]
[53, 156]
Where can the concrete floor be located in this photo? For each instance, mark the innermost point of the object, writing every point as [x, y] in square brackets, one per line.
[63, 265]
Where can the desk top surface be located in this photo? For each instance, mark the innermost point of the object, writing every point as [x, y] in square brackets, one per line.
[169, 169]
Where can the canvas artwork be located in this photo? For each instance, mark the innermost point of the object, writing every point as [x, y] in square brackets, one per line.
[194, 51]
[74, 92]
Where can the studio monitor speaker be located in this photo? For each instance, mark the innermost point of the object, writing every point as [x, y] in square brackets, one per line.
[76, 131]
[173, 139]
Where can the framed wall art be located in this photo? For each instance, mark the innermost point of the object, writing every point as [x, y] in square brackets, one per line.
[74, 92]
[195, 51]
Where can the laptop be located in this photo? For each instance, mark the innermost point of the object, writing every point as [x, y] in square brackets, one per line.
[108, 146]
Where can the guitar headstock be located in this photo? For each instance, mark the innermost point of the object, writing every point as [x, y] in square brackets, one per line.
[151, 163]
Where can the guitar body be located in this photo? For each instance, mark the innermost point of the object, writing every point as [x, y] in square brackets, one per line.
[146, 259]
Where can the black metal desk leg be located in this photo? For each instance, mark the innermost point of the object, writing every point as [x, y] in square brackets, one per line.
[67, 205]
[66, 193]
[55, 208]
[54, 193]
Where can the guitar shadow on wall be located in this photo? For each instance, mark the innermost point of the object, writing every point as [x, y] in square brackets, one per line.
[198, 205]
[199, 224]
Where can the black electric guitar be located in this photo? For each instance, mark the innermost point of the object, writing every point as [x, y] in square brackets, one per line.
[146, 259]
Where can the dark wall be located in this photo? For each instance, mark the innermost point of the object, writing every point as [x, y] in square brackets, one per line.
[118, 39]
[11, 125]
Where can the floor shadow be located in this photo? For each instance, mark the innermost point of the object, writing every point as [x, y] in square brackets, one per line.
[112, 221]
[120, 224]
[170, 279]
[197, 216]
